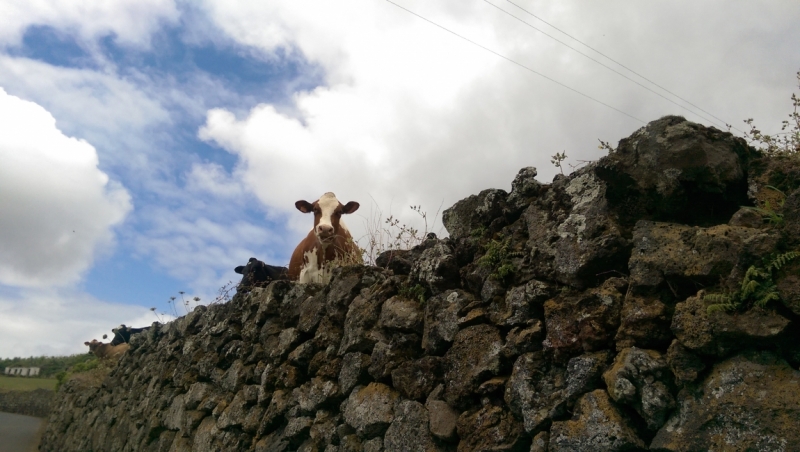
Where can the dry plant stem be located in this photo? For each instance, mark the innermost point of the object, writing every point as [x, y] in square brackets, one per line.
[384, 234]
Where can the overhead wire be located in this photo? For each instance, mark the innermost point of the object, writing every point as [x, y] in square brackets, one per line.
[609, 58]
[604, 65]
[516, 63]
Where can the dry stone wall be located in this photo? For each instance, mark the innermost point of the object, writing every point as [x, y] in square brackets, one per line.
[30, 403]
[564, 317]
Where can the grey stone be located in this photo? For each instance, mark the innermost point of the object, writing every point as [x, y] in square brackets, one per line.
[721, 333]
[685, 365]
[666, 251]
[748, 402]
[583, 322]
[641, 379]
[474, 212]
[596, 425]
[416, 379]
[474, 357]
[370, 409]
[441, 320]
[354, 371]
[535, 391]
[409, 430]
[573, 236]
[675, 170]
[443, 420]
[490, 428]
[401, 314]
[314, 394]
[436, 269]
[362, 315]
[523, 187]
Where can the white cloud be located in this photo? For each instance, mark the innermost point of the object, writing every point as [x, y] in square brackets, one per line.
[57, 207]
[414, 115]
[212, 178]
[58, 322]
[113, 113]
[194, 246]
[130, 21]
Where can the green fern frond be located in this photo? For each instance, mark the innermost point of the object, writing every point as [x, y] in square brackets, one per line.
[721, 303]
[749, 288]
[718, 298]
[721, 307]
[781, 260]
[766, 298]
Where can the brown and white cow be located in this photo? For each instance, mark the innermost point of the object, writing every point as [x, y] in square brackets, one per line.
[328, 241]
[104, 351]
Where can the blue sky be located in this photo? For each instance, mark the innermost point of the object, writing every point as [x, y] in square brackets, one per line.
[150, 146]
[245, 78]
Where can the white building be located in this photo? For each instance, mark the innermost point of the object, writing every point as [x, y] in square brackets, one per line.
[23, 371]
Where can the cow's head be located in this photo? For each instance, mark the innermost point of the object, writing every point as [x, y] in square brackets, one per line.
[93, 345]
[328, 212]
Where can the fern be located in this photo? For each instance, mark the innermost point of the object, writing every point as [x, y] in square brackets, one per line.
[781, 260]
[771, 295]
[771, 214]
[416, 292]
[757, 287]
[498, 258]
[721, 302]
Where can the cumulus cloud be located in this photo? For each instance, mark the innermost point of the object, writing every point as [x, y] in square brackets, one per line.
[57, 322]
[411, 114]
[115, 114]
[58, 207]
[213, 179]
[129, 21]
[196, 248]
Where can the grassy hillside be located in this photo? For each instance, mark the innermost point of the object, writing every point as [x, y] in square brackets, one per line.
[25, 383]
[50, 365]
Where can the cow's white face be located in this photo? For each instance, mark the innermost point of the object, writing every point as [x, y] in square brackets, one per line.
[329, 217]
[328, 213]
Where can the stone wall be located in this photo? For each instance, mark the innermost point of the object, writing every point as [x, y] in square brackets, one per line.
[30, 403]
[565, 317]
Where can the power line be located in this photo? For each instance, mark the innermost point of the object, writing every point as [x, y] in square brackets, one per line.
[515, 62]
[608, 57]
[604, 65]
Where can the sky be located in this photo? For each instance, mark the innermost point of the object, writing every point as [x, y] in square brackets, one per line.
[148, 147]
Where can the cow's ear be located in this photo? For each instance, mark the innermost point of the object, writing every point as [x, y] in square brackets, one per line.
[86, 343]
[350, 207]
[304, 206]
[239, 270]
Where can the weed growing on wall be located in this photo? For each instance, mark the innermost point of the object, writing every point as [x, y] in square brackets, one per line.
[785, 143]
[497, 258]
[385, 233]
[771, 214]
[756, 290]
[416, 292]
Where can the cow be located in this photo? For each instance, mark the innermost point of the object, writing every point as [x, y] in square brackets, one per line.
[328, 242]
[104, 351]
[122, 334]
[259, 274]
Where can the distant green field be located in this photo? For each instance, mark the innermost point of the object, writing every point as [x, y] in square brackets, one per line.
[25, 383]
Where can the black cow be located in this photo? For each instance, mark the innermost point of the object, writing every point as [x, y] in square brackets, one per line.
[122, 334]
[259, 274]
